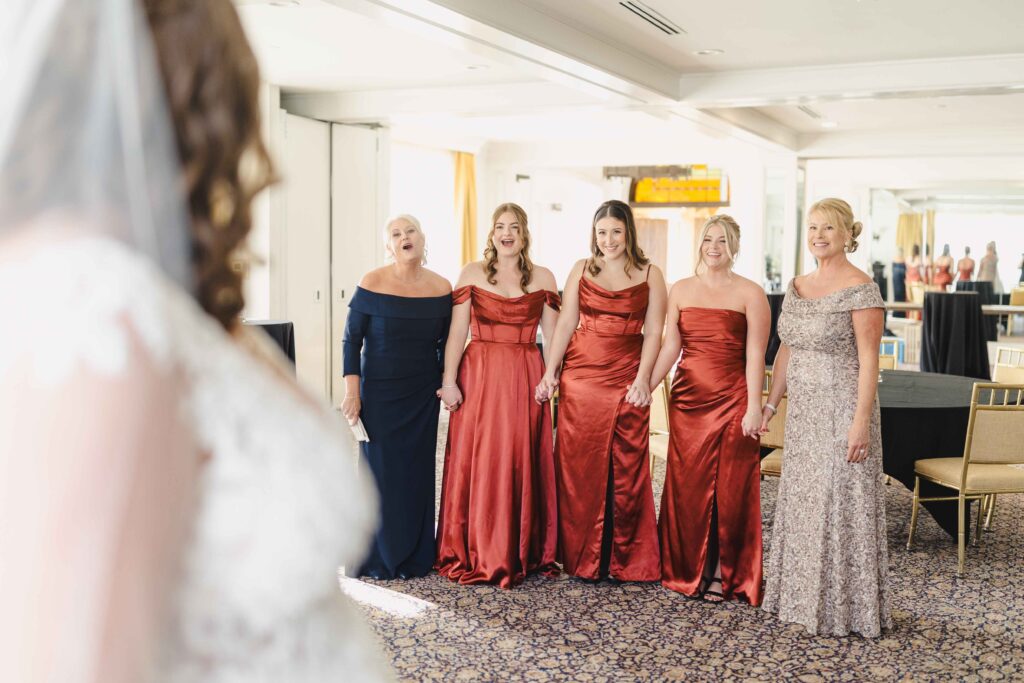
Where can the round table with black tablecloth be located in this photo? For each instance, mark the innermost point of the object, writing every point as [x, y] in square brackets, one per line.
[953, 340]
[281, 331]
[775, 304]
[988, 296]
[924, 415]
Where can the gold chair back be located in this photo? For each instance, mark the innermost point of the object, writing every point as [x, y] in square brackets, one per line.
[886, 362]
[995, 430]
[1009, 368]
[659, 408]
[777, 427]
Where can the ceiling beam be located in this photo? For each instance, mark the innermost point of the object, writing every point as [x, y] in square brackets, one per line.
[906, 78]
[924, 141]
[384, 106]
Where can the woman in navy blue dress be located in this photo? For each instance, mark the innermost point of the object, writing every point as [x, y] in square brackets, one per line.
[393, 349]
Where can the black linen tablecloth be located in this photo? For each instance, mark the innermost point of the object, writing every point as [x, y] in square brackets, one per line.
[281, 331]
[775, 304]
[924, 415]
[953, 339]
[988, 297]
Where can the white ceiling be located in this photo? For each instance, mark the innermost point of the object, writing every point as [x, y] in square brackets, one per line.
[877, 114]
[759, 34]
[318, 46]
[899, 78]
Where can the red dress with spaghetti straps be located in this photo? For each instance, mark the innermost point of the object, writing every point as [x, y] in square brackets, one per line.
[498, 518]
[607, 524]
[711, 501]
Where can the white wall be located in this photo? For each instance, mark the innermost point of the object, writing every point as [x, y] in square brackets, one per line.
[422, 184]
[568, 172]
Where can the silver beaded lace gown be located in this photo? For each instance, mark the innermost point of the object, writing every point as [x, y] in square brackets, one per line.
[828, 562]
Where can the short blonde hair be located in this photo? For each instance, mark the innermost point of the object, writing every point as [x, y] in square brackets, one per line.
[732, 238]
[839, 215]
[408, 218]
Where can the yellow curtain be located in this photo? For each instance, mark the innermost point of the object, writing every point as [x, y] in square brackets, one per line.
[465, 204]
[908, 233]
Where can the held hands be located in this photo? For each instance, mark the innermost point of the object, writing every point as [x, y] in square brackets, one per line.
[639, 393]
[451, 396]
[858, 441]
[766, 416]
[753, 423]
[546, 389]
[351, 406]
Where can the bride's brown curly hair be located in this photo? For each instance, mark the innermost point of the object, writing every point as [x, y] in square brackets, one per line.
[212, 84]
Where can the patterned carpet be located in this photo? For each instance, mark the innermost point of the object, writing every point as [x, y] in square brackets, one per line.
[566, 630]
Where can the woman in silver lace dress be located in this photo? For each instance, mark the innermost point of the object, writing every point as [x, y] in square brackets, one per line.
[828, 562]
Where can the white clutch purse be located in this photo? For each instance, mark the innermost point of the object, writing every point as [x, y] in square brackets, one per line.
[359, 430]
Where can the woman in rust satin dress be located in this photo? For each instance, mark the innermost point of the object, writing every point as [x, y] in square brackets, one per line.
[607, 524]
[498, 517]
[710, 520]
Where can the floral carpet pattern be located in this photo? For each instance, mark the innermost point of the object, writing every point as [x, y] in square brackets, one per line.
[564, 629]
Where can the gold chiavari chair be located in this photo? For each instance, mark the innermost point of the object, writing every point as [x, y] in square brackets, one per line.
[1009, 368]
[659, 421]
[886, 362]
[995, 431]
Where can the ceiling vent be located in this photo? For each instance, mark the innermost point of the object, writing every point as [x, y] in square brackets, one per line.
[810, 112]
[653, 17]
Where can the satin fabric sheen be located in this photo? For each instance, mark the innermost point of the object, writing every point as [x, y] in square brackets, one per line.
[498, 518]
[597, 429]
[942, 277]
[710, 461]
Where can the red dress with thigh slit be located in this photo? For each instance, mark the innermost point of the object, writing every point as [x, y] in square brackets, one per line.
[498, 518]
[712, 487]
[606, 518]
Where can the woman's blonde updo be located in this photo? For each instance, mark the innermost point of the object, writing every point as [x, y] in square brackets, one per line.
[839, 215]
[491, 252]
[732, 238]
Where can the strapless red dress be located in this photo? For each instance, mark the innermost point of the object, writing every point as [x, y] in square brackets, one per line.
[606, 522]
[942, 278]
[712, 488]
[498, 518]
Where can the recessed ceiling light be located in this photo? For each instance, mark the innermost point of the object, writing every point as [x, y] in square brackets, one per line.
[709, 53]
[829, 124]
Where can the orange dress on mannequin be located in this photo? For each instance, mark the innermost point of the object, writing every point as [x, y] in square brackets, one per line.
[711, 502]
[498, 518]
[606, 522]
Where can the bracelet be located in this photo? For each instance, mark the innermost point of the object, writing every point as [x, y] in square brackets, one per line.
[772, 408]
[449, 386]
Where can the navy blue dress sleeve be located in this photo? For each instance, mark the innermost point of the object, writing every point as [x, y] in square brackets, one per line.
[352, 341]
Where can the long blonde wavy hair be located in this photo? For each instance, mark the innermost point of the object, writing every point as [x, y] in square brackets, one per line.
[491, 252]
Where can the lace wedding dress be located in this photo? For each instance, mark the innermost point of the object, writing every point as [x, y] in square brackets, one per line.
[280, 504]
